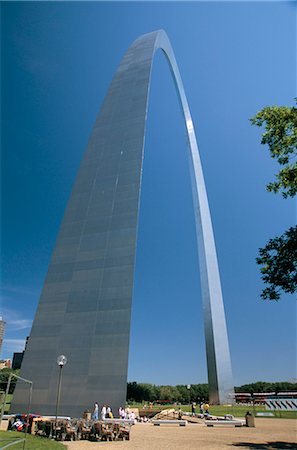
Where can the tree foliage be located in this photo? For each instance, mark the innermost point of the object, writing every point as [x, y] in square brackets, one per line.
[263, 386]
[4, 376]
[280, 135]
[279, 257]
[279, 261]
[145, 392]
[140, 392]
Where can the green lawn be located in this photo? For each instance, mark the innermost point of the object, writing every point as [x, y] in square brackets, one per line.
[7, 404]
[236, 410]
[32, 442]
[240, 411]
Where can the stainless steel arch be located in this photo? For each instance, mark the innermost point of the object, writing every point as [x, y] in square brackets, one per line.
[85, 306]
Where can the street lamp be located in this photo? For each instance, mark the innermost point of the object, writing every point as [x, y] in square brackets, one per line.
[189, 389]
[61, 361]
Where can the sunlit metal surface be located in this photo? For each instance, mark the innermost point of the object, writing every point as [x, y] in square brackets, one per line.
[85, 307]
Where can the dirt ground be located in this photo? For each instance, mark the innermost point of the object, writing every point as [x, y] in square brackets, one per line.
[269, 434]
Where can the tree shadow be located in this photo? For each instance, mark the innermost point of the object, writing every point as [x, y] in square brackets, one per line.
[268, 445]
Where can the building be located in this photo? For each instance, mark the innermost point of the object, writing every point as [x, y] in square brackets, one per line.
[85, 307]
[17, 358]
[5, 364]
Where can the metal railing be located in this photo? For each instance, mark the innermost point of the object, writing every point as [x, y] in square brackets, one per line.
[29, 404]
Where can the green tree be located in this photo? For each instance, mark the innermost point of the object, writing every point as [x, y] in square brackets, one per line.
[279, 257]
[279, 264]
[263, 386]
[142, 392]
[4, 375]
[167, 393]
[280, 135]
[183, 393]
[150, 392]
[199, 392]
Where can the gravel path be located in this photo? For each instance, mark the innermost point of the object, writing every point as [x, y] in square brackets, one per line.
[269, 434]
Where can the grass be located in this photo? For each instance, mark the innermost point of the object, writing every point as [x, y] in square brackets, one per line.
[7, 404]
[236, 410]
[32, 442]
[240, 411]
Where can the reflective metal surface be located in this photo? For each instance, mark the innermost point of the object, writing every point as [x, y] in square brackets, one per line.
[85, 306]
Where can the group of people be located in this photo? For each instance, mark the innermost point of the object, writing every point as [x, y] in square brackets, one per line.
[105, 413]
[204, 408]
[127, 413]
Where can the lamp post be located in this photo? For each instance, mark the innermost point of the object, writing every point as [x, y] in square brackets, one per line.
[189, 389]
[61, 361]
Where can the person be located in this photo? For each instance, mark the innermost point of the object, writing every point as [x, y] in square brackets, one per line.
[180, 414]
[96, 411]
[18, 425]
[201, 408]
[206, 408]
[103, 412]
[193, 409]
[109, 414]
[123, 414]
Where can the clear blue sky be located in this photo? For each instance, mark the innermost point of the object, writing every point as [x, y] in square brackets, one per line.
[235, 57]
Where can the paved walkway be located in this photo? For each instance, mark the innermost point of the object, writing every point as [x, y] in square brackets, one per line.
[269, 434]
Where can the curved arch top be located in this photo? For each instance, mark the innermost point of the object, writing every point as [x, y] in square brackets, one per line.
[85, 306]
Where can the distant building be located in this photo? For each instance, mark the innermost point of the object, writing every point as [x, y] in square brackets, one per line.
[18, 357]
[5, 364]
[17, 360]
[2, 330]
[259, 398]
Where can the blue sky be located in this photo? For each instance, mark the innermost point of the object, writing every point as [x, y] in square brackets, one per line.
[235, 57]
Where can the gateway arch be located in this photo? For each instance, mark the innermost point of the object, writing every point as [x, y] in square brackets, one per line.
[85, 305]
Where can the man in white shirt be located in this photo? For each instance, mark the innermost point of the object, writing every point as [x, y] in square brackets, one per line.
[103, 412]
